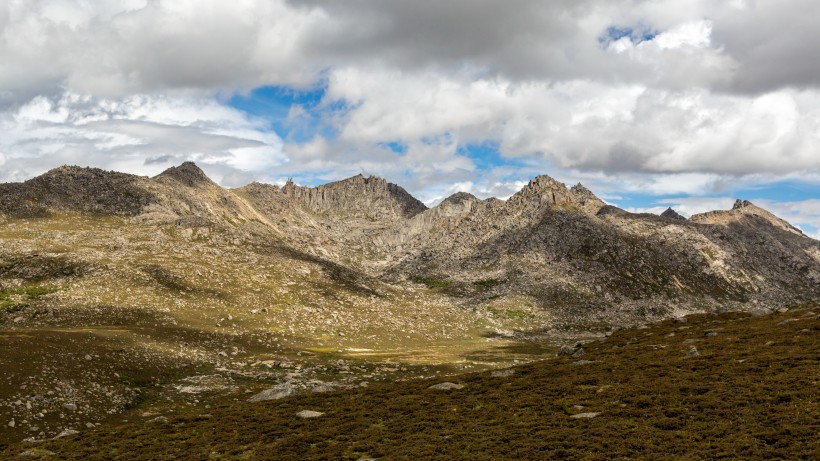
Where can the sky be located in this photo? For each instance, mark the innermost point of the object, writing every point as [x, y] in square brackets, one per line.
[650, 104]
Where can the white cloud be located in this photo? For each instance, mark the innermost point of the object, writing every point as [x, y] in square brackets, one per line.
[141, 134]
[702, 96]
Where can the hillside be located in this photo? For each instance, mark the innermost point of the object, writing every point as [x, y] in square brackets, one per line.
[702, 387]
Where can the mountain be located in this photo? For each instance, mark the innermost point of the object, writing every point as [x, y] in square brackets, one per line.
[123, 296]
[556, 249]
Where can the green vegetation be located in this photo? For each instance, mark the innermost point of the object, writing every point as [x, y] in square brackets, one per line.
[488, 284]
[16, 299]
[430, 282]
[750, 393]
[509, 313]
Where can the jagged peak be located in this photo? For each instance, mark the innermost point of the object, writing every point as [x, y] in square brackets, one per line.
[581, 190]
[742, 204]
[460, 197]
[672, 214]
[541, 190]
[187, 173]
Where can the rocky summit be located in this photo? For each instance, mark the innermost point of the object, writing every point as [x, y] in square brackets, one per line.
[125, 297]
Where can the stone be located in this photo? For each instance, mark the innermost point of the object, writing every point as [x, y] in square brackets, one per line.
[66, 433]
[446, 386]
[18, 319]
[589, 415]
[760, 312]
[582, 362]
[693, 352]
[305, 414]
[275, 393]
[502, 373]
[12, 423]
[70, 406]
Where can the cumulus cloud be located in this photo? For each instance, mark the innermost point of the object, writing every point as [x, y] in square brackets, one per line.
[142, 134]
[658, 97]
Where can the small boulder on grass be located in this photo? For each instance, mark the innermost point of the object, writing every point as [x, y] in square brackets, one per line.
[693, 352]
[446, 386]
[305, 414]
[589, 415]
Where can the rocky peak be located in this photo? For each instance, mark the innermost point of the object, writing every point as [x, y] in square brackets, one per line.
[188, 173]
[672, 214]
[542, 190]
[76, 189]
[459, 198]
[359, 195]
[741, 204]
[588, 201]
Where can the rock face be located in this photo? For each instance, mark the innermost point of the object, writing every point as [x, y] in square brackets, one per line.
[70, 188]
[672, 214]
[558, 250]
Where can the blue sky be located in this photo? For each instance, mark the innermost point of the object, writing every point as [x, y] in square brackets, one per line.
[649, 104]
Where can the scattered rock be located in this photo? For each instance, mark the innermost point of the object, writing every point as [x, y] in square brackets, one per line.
[70, 406]
[66, 433]
[18, 319]
[566, 350]
[309, 414]
[710, 333]
[12, 423]
[36, 453]
[158, 419]
[579, 352]
[582, 362]
[693, 352]
[446, 386]
[589, 415]
[760, 312]
[503, 373]
[275, 393]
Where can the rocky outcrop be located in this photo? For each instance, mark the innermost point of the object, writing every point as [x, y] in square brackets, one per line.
[75, 189]
[669, 213]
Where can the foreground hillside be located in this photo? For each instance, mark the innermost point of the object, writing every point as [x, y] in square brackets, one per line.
[711, 386]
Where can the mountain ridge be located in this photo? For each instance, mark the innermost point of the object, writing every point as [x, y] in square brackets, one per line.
[566, 249]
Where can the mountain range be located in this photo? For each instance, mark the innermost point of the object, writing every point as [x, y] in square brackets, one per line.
[561, 250]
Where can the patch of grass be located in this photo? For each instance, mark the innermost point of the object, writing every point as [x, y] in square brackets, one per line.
[511, 314]
[430, 282]
[488, 284]
[17, 299]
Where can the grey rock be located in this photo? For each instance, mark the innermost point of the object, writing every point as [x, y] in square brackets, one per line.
[579, 352]
[305, 414]
[66, 433]
[588, 415]
[503, 373]
[693, 352]
[279, 392]
[70, 406]
[582, 362]
[446, 386]
[760, 311]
